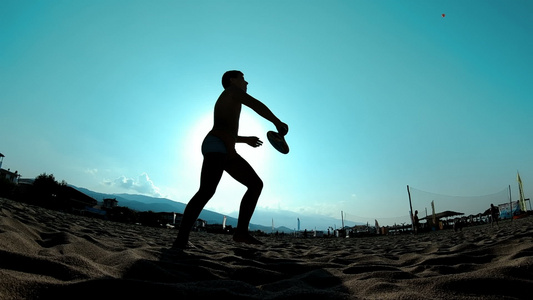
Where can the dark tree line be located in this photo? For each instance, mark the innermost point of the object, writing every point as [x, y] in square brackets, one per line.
[47, 192]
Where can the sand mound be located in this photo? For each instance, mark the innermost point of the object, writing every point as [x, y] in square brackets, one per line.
[46, 254]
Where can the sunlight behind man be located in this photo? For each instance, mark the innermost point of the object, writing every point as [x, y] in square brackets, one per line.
[226, 200]
[249, 126]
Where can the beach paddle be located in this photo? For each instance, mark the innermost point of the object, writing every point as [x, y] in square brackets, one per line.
[278, 141]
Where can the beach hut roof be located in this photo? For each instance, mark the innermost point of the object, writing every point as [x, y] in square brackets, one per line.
[444, 214]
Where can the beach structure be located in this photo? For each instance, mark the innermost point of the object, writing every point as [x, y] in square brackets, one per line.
[12, 177]
[442, 219]
[199, 224]
[110, 203]
[167, 219]
[78, 200]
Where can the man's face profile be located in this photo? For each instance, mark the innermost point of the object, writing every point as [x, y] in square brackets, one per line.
[239, 82]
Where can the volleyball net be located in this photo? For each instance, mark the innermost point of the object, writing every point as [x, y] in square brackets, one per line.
[467, 205]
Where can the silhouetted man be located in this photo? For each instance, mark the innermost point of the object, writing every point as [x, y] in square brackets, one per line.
[218, 149]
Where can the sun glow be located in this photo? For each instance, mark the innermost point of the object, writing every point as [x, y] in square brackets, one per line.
[257, 157]
[229, 192]
[249, 126]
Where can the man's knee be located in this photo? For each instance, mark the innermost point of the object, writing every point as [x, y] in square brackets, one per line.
[258, 184]
[206, 193]
[254, 183]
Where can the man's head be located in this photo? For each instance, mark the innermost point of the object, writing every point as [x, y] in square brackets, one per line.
[235, 78]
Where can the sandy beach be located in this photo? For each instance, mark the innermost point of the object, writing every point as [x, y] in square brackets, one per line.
[46, 254]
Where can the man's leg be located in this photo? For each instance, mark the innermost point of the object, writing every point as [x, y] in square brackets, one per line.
[241, 171]
[212, 169]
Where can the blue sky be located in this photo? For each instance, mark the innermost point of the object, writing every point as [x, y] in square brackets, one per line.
[116, 96]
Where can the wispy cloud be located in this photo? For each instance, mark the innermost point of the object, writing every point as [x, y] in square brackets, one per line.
[142, 184]
[91, 171]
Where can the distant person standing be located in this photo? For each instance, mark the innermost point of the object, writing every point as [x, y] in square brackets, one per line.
[218, 149]
[416, 222]
[494, 214]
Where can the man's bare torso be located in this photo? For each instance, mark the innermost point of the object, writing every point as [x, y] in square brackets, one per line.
[226, 115]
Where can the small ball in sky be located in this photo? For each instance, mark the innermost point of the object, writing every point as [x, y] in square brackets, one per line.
[443, 15]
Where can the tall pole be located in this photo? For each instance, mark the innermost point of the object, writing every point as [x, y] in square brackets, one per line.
[510, 202]
[522, 202]
[411, 209]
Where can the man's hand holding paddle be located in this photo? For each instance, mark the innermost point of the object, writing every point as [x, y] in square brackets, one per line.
[282, 128]
[277, 139]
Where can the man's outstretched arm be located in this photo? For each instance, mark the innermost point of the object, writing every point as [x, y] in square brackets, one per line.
[262, 110]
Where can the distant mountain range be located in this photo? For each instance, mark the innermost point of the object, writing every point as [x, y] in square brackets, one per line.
[262, 219]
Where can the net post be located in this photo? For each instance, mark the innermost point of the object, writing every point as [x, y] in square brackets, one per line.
[511, 203]
[411, 211]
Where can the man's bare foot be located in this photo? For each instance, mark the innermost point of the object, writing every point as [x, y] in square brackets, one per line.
[246, 238]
